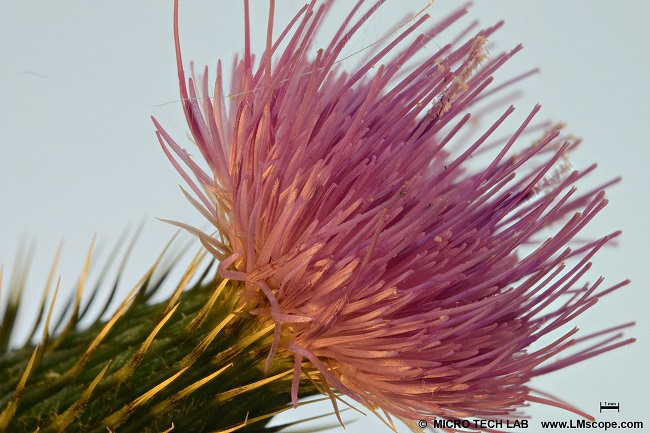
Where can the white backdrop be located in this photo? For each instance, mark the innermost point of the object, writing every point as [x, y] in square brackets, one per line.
[79, 81]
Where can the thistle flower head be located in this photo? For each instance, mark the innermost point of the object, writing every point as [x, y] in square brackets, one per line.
[346, 206]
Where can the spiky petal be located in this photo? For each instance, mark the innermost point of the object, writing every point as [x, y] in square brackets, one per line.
[347, 205]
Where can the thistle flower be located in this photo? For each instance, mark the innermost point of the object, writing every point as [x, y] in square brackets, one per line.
[360, 253]
[346, 206]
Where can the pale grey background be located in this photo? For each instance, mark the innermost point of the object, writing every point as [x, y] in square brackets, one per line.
[79, 80]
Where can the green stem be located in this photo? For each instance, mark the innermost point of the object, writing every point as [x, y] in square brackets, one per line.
[202, 371]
